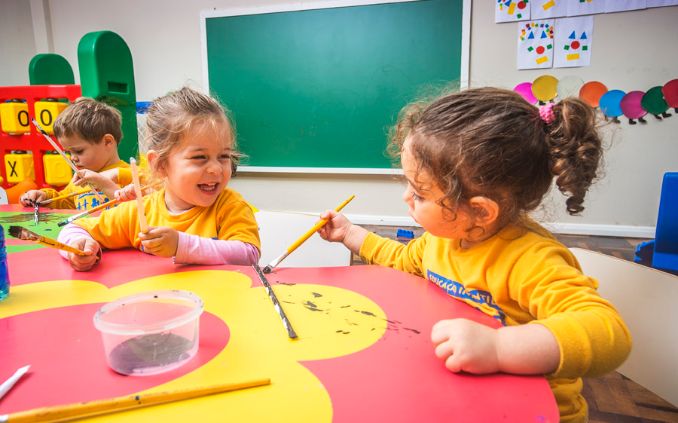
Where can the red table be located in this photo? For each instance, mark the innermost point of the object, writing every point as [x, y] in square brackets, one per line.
[363, 353]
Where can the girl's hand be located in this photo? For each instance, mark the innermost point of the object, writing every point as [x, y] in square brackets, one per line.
[160, 241]
[85, 263]
[336, 228]
[31, 197]
[126, 193]
[466, 346]
[339, 229]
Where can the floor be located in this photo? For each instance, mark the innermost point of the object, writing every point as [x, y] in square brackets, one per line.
[612, 398]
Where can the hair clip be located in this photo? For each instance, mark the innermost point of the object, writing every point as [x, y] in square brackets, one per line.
[546, 113]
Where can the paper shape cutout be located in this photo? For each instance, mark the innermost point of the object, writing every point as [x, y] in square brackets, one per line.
[545, 88]
[591, 92]
[653, 101]
[610, 104]
[585, 7]
[573, 42]
[544, 9]
[535, 44]
[670, 91]
[632, 108]
[511, 11]
[624, 5]
[569, 86]
[661, 3]
[525, 90]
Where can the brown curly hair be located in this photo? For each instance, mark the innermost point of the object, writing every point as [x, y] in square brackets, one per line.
[490, 142]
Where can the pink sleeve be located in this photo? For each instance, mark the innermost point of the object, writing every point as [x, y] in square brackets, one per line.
[194, 249]
[70, 233]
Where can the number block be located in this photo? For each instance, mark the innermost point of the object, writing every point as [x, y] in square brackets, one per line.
[57, 171]
[46, 113]
[14, 118]
[19, 166]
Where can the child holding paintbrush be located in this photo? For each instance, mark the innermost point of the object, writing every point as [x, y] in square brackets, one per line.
[194, 218]
[90, 131]
[476, 162]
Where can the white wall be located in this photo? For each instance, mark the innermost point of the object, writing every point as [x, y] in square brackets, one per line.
[632, 50]
[17, 45]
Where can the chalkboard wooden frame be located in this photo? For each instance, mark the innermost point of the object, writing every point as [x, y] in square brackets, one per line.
[210, 17]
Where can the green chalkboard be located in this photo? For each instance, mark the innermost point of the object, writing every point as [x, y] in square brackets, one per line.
[320, 88]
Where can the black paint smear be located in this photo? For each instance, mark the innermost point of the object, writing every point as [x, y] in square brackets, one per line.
[368, 313]
[413, 330]
[316, 295]
[286, 283]
[345, 306]
[159, 349]
[309, 305]
[288, 302]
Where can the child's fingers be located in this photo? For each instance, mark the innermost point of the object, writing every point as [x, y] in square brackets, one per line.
[440, 331]
[444, 349]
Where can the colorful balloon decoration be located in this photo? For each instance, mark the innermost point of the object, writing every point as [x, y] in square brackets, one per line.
[632, 108]
[610, 104]
[653, 101]
[591, 92]
[545, 88]
[670, 91]
[525, 90]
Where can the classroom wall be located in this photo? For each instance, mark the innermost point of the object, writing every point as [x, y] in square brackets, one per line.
[632, 50]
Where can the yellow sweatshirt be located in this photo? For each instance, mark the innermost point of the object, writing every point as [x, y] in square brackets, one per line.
[84, 201]
[228, 218]
[523, 275]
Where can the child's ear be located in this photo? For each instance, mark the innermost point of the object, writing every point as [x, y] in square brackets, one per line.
[153, 162]
[486, 210]
[109, 140]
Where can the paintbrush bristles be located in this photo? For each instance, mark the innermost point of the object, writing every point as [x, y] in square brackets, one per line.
[23, 233]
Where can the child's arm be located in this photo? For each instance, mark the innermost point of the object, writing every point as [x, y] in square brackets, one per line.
[194, 249]
[340, 229]
[472, 347]
[104, 181]
[79, 238]
[373, 248]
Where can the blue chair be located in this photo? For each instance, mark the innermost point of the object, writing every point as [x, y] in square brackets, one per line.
[665, 255]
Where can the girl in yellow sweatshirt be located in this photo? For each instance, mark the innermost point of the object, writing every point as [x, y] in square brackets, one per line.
[476, 162]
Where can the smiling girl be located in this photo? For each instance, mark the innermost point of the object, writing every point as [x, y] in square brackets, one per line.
[194, 218]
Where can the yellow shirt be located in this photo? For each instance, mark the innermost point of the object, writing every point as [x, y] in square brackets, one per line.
[228, 218]
[523, 275]
[84, 201]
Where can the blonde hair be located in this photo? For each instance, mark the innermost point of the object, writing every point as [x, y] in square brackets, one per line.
[171, 116]
[90, 120]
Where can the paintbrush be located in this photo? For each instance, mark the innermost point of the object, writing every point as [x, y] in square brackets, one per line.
[27, 235]
[137, 191]
[269, 290]
[304, 237]
[102, 206]
[62, 197]
[81, 410]
[65, 157]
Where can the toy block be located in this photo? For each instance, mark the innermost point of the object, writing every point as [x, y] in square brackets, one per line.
[14, 118]
[46, 113]
[57, 171]
[19, 166]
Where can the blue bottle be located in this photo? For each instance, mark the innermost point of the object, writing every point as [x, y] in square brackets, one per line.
[4, 272]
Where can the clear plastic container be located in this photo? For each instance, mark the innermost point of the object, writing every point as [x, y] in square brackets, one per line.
[150, 333]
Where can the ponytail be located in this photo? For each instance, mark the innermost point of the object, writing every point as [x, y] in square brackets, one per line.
[576, 150]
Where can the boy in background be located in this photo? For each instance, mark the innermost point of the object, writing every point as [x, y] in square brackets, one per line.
[90, 131]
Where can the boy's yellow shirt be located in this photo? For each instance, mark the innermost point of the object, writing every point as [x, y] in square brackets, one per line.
[84, 201]
[523, 275]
